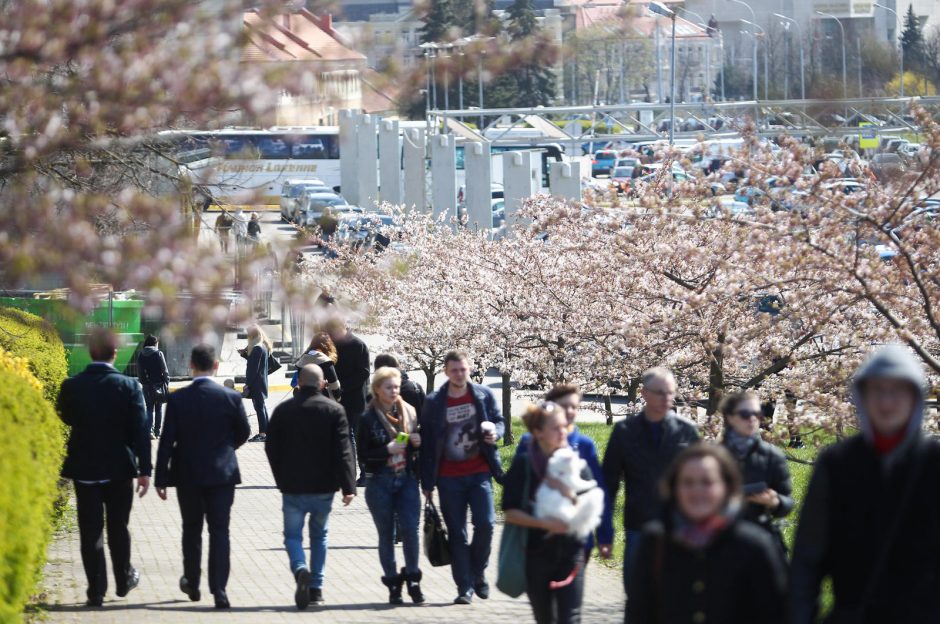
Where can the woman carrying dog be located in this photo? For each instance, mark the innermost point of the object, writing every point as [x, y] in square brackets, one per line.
[554, 560]
[701, 563]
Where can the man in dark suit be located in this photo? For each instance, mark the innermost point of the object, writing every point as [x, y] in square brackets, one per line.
[108, 446]
[205, 422]
[311, 456]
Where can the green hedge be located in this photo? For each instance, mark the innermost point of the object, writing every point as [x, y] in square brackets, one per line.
[31, 448]
[28, 336]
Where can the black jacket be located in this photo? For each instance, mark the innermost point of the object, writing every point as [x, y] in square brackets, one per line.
[632, 457]
[308, 446]
[204, 424]
[848, 509]
[372, 444]
[739, 578]
[256, 371]
[765, 462]
[412, 393]
[109, 438]
[352, 368]
[151, 367]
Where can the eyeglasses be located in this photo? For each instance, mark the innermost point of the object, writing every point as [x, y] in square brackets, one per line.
[748, 414]
[661, 393]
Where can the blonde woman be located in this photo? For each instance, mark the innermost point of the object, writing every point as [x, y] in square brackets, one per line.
[388, 445]
[322, 352]
[256, 376]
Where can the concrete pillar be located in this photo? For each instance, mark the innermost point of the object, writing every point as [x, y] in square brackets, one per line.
[564, 179]
[367, 140]
[348, 155]
[522, 179]
[415, 174]
[389, 162]
[476, 162]
[444, 175]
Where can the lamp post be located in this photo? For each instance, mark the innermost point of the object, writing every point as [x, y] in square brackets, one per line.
[799, 31]
[845, 92]
[708, 47]
[763, 35]
[429, 49]
[754, 51]
[897, 36]
[660, 9]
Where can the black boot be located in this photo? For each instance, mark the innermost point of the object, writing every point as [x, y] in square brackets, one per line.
[414, 586]
[394, 588]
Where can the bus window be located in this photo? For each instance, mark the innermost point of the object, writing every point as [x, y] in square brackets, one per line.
[271, 147]
[314, 146]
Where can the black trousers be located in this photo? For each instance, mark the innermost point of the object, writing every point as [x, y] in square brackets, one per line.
[97, 504]
[214, 506]
[552, 606]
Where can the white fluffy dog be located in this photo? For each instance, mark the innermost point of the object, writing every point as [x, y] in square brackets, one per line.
[577, 502]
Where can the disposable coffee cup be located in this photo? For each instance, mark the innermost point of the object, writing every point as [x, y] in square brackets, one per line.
[487, 428]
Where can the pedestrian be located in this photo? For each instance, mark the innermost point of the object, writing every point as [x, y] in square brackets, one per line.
[108, 447]
[256, 376]
[254, 229]
[352, 370]
[223, 229]
[240, 229]
[554, 560]
[389, 439]
[460, 425]
[205, 423]
[328, 224]
[311, 456]
[568, 398]
[322, 352]
[411, 392]
[155, 379]
[640, 449]
[871, 517]
[767, 487]
[699, 562]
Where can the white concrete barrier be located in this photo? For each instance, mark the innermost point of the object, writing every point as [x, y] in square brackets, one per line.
[444, 176]
[389, 162]
[415, 174]
[564, 179]
[478, 192]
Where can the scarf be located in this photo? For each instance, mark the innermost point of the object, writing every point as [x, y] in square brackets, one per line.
[884, 444]
[740, 445]
[698, 535]
[401, 419]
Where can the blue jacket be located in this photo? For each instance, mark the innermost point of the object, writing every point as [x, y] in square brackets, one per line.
[588, 452]
[433, 432]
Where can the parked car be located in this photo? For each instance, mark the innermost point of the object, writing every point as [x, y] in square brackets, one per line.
[887, 165]
[621, 177]
[603, 162]
[291, 191]
[312, 209]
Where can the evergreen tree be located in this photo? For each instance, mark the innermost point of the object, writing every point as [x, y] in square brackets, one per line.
[533, 75]
[439, 22]
[912, 40]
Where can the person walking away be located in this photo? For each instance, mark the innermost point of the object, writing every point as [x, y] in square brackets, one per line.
[871, 517]
[352, 370]
[205, 423]
[393, 487]
[554, 560]
[640, 449]
[254, 229]
[767, 487]
[568, 398]
[155, 379]
[411, 391]
[699, 562]
[240, 229]
[310, 454]
[256, 376]
[223, 229]
[322, 352]
[108, 447]
[460, 426]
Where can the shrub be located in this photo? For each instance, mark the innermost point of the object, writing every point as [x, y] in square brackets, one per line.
[28, 336]
[31, 448]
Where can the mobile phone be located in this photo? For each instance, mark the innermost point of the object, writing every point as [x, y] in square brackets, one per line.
[754, 488]
[402, 437]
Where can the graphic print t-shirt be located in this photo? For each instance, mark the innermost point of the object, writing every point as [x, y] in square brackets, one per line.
[462, 439]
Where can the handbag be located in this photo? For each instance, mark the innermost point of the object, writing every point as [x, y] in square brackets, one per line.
[273, 364]
[510, 575]
[436, 545]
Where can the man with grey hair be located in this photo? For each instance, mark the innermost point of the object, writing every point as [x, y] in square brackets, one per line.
[640, 449]
[311, 456]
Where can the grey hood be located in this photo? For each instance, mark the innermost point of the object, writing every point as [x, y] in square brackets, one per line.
[893, 362]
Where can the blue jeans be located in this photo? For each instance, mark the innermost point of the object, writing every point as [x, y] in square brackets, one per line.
[295, 508]
[388, 494]
[629, 556]
[468, 561]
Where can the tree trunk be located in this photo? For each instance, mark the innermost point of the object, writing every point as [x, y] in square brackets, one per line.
[632, 389]
[429, 375]
[508, 437]
[716, 376]
[608, 410]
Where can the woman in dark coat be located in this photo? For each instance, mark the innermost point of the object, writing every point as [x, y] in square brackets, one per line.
[155, 378]
[767, 486]
[701, 563]
[256, 376]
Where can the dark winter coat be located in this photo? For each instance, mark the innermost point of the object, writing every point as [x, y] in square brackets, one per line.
[352, 368]
[739, 578]
[151, 367]
[766, 463]
[412, 393]
[632, 457]
[372, 444]
[256, 371]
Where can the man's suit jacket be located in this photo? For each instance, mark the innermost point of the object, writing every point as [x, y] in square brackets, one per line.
[109, 438]
[204, 424]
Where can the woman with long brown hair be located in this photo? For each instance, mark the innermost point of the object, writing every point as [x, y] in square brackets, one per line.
[322, 352]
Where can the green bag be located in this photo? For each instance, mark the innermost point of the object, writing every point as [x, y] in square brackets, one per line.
[510, 575]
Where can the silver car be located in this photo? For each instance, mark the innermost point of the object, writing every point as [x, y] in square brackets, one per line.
[291, 191]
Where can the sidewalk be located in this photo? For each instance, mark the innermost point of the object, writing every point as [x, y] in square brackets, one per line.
[261, 586]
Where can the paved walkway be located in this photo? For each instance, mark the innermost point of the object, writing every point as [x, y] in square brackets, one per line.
[261, 587]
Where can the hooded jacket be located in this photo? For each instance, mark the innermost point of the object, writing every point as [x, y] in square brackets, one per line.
[862, 507]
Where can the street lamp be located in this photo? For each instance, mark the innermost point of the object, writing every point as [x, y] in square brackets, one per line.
[897, 36]
[660, 9]
[477, 38]
[708, 55]
[763, 36]
[845, 92]
[799, 31]
[754, 51]
[429, 49]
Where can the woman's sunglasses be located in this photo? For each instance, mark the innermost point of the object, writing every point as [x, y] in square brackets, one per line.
[747, 414]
